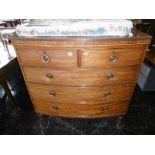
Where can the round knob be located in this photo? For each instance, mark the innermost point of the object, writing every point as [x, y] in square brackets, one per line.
[45, 58]
[52, 93]
[113, 58]
[105, 108]
[107, 94]
[110, 76]
[55, 107]
[49, 75]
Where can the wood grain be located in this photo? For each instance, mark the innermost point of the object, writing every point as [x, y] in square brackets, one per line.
[80, 110]
[81, 94]
[58, 58]
[101, 58]
[81, 77]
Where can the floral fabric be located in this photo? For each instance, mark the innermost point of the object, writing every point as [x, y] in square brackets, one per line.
[75, 28]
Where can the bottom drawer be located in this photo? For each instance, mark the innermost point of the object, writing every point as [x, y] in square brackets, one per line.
[80, 110]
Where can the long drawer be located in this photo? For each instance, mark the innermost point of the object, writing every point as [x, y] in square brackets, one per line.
[111, 57]
[45, 57]
[81, 77]
[80, 110]
[65, 94]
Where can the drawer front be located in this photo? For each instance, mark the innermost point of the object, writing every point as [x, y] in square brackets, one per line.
[111, 57]
[80, 110]
[83, 77]
[81, 94]
[47, 57]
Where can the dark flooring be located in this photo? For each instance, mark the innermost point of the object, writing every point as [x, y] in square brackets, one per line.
[140, 119]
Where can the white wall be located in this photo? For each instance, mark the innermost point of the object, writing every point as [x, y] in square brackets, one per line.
[4, 58]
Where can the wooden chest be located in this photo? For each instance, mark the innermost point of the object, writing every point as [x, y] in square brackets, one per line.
[85, 77]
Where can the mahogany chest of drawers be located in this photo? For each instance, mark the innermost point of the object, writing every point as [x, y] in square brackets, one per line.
[85, 77]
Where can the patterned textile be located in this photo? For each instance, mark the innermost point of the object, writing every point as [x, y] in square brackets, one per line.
[75, 28]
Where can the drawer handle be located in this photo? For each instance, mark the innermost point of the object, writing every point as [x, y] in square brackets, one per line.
[107, 94]
[45, 58]
[52, 93]
[55, 107]
[110, 76]
[105, 108]
[113, 58]
[49, 75]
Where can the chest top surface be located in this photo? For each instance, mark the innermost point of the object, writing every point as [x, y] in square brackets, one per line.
[137, 38]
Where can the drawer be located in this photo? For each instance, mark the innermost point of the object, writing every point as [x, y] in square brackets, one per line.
[81, 77]
[80, 110]
[47, 57]
[111, 57]
[80, 94]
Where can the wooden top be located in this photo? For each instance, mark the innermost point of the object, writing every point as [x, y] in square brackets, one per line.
[137, 38]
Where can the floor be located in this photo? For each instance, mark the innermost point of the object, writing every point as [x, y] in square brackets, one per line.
[140, 119]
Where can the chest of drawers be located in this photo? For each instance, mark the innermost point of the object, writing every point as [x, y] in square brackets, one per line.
[85, 77]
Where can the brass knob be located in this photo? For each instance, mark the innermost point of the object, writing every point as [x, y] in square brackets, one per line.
[52, 93]
[110, 76]
[49, 75]
[105, 108]
[107, 94]
[55, 107]
[113, 58]
[45, 58]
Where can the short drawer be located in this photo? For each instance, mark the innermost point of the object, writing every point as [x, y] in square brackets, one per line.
[81, 94]
[111, 57]
[80, 110]
[40, 57]
[81, 77]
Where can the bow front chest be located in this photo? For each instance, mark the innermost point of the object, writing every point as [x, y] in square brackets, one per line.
[85, 77]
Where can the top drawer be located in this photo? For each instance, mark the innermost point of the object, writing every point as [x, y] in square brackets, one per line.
[111, 57]
[55, 58]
